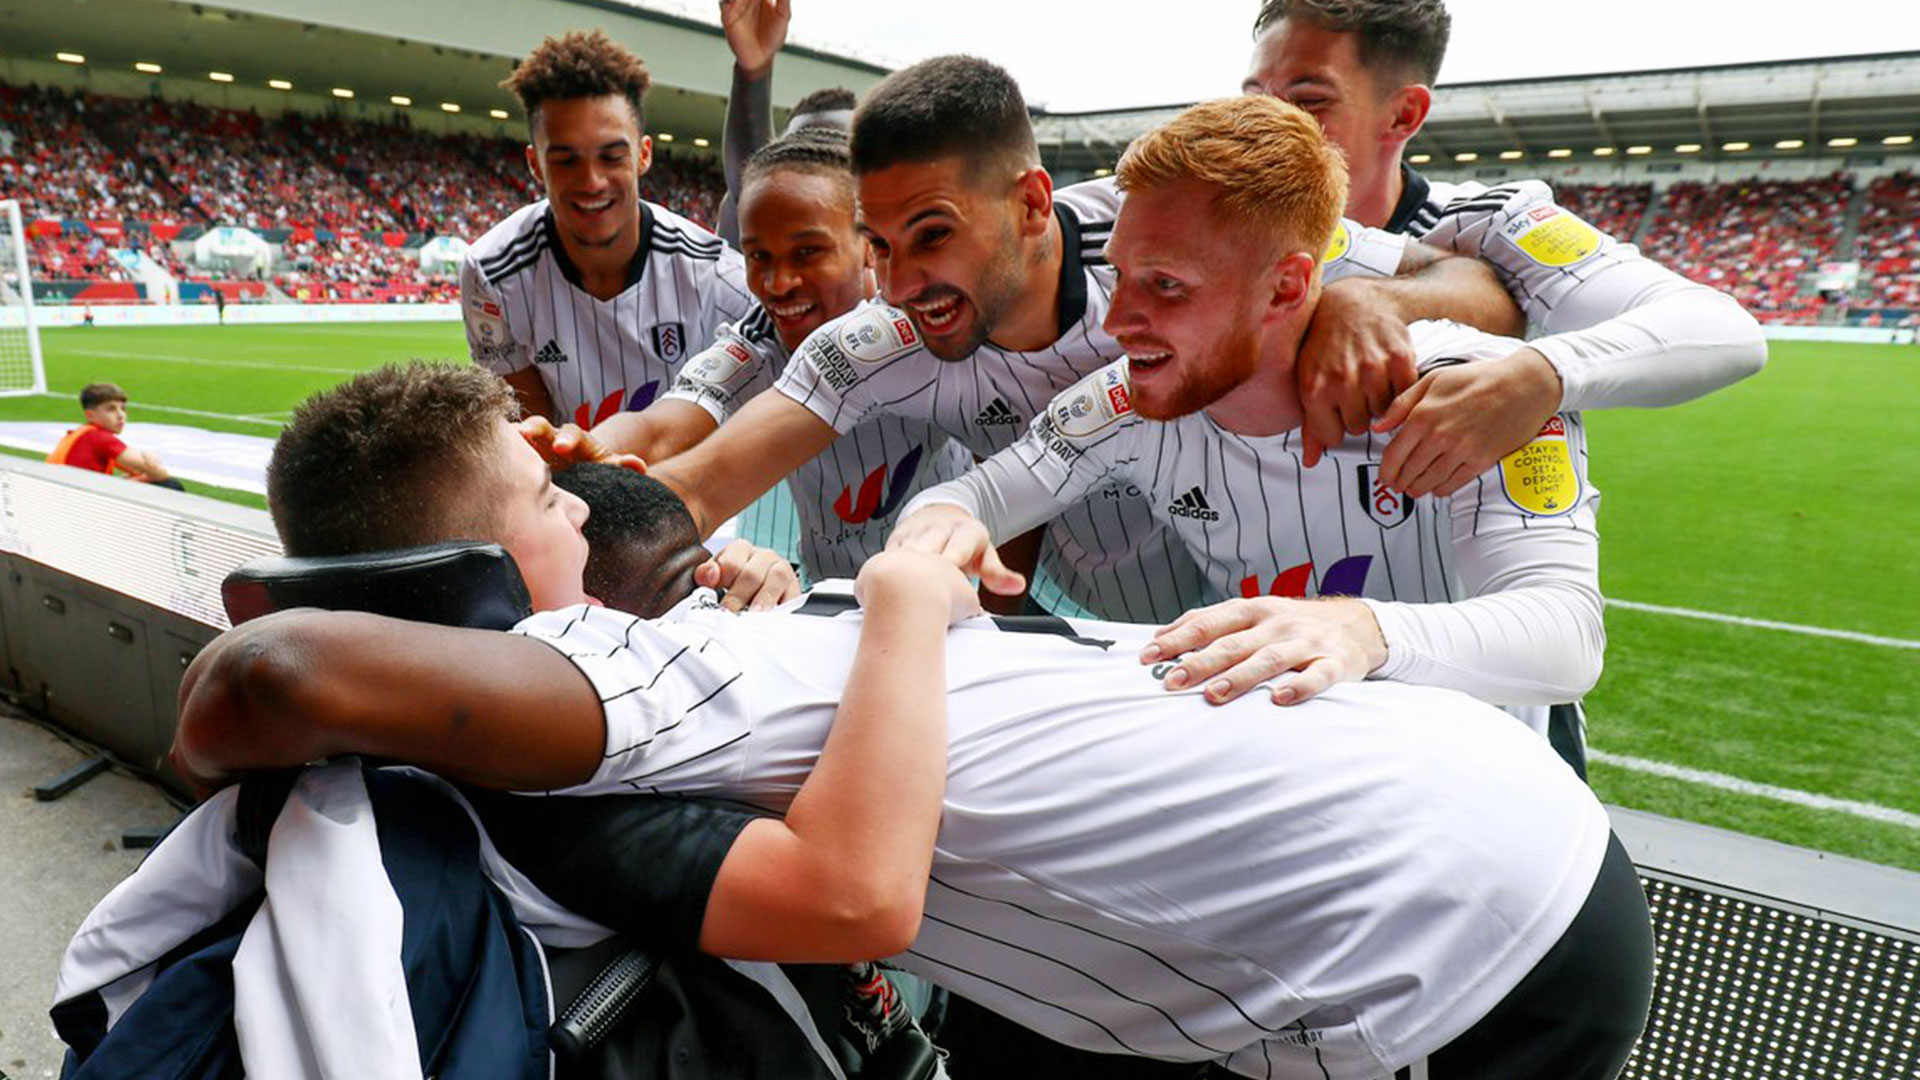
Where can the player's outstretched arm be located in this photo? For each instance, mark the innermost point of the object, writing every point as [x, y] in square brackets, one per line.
[493, 709]
[844, 876]
[758, 447]
[954, 535]
[1357, 356]
[665, 428]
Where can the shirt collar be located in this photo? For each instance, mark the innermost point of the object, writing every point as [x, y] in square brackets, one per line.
[635, 269]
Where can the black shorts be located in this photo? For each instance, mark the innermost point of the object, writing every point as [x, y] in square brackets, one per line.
[1578, 1013]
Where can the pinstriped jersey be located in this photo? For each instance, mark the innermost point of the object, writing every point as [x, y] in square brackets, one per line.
[1127, 869]
[524, 308]
[849, 494]
[1107, 554]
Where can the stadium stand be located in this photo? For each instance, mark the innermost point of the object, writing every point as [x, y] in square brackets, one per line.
[1754, 239]
[1888, 245]
[349, 202]
[1615, 209]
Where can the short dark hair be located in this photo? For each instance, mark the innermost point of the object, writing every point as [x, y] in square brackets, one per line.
[1404, 35]
[580, 64]
[832, 99]
[627, 514]
[949, 106]
[389, 459]
[818, 150]
[94, 395]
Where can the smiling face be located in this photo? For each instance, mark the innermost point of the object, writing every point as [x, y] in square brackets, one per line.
[538, 523]
[588, 153]
[1320, 71]
[806, 263]
[947, 248]
[1189, 301]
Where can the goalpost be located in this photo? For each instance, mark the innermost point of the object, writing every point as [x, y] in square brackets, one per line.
[21, 370]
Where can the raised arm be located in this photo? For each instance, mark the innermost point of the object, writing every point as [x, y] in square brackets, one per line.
[844, 875]
[755, 29]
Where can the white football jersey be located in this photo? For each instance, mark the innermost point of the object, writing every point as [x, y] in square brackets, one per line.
[1108, 554]
[1339, 888]
[1260, 524]
[849, 494]
[1621, 329]
[523, 305]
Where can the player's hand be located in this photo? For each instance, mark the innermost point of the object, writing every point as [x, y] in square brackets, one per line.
[1356, 356]
[1303, 646]
[958, 537]
[203, 783]
[567, 445]
[901, 572]
[1454, 423]
[756, 29]
[755, 578]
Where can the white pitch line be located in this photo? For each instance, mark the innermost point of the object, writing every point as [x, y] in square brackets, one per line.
[1870, 811]
[146, 406]
[165, 358]
[1767, 624]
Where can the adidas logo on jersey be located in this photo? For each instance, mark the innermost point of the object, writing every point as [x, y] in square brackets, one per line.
[996, 414]
[1193, 505]
[550, 354]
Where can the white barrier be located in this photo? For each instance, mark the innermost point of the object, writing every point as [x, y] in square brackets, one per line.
[238, 314]
[1858, 335]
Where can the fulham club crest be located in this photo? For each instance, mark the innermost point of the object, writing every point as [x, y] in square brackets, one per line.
[1387, 508]
[669, 341]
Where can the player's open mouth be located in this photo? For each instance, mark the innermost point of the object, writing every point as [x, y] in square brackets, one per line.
[597, 206]
[1146, 360]
[793, 312]
[937, 316]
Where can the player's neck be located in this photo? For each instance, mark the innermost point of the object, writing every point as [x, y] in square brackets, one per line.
[1269, 402]
[1371, 202]
[1033, 321]
[603, 269]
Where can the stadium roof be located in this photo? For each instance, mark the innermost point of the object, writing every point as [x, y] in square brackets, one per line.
[429, 51]
[1809, 102]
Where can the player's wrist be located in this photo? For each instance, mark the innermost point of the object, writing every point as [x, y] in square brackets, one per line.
[1537, 382]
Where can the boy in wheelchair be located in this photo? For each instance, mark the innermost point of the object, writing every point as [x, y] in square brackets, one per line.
[1383, 879]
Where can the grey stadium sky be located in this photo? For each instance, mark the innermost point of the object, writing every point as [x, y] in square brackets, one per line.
[1080, 55]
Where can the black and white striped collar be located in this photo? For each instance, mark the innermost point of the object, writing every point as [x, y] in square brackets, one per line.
[635, 269]
[1413, 199]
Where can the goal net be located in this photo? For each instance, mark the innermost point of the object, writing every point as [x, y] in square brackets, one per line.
[21, 371]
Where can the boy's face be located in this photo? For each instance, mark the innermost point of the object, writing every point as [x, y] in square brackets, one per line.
[539, 524]
[805, 262]
[108, 415]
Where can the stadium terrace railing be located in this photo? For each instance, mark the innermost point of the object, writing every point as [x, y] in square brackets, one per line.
[1773, 962]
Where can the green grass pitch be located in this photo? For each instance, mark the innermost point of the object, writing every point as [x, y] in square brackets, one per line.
[1788, 498]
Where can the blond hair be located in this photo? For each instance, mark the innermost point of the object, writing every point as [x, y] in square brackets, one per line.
[1272, 167]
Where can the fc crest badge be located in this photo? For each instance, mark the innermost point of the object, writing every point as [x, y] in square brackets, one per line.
[1386, 507]
[669, 341]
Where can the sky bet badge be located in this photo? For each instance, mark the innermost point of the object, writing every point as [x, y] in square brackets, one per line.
[1539, 477]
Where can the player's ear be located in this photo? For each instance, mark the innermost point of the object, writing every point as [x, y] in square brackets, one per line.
[1292, 284]
[643, 160]
[1034, 190]
[533, 166]
[1411, 104]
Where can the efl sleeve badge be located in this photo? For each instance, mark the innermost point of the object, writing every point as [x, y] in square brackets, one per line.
[1540, 477]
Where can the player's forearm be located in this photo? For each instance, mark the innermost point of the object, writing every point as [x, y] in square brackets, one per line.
[1536, 645]
[749, 126]
[1435, 285]
[493, 709]
[1687, 342]
[656, 433]
[871, 808]
[1004, 494]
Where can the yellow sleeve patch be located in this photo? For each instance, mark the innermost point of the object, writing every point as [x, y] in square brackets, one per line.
[1539, 477]
[1337, 247]
[1551, 236]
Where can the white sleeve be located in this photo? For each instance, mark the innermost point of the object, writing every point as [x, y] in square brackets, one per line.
[1531, 631]
[1071, 446]
[1359, 251]
[833, 371]
[1621, 329]
[726, 374]
[490, 339]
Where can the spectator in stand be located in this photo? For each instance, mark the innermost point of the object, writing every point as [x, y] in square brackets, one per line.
[96, 445]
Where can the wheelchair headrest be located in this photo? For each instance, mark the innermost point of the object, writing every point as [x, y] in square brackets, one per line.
[456, 584]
